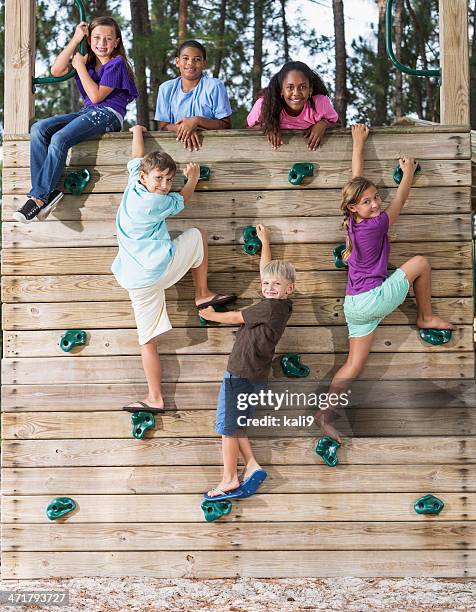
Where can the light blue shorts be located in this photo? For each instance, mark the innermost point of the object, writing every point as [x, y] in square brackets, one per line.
[363, 312]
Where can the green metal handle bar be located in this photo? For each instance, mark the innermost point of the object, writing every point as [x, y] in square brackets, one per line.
[388, 43]
[82, 50]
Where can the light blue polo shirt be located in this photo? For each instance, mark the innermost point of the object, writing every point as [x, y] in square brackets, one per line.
[145, 246]
[208, 99]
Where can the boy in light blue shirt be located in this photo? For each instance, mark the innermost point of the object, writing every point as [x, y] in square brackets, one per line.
[193, 100]
[149, 261]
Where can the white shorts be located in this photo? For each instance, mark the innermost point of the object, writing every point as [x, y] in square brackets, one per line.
[150, 309]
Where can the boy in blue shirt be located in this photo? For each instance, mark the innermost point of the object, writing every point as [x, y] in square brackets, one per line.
[149, 261]
[193, 100]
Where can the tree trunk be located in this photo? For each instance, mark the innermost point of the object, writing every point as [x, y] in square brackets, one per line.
[257, 70]
[221, 40]
[341, 61]
[473, 73]
[398, 52]
[141, 29]
[381, 78]
[182, 21]
[285, 31]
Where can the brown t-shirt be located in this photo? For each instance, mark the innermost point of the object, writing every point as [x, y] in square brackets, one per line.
[256, 340]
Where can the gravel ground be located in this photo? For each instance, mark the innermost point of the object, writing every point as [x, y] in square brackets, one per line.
[254, 595]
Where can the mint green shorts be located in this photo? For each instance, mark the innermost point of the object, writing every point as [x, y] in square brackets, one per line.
[363, 312]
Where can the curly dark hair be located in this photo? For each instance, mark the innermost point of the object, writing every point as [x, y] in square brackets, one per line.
[273, 103]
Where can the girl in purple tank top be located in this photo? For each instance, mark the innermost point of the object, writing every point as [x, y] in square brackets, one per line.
[371, 294]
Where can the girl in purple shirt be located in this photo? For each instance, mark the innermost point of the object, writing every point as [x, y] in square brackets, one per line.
[106, 82]
[371, 294]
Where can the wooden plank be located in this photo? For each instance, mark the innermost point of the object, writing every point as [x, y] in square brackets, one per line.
[256, 564]
[206, 451]
[193, 368]
[273, 175]
[223, 258]
[235, 536]
[290, 507]
[100, 207]
[252, 145]
[204, 341]
[164, 480]
[318, 311]
[103, 288]
[283, 230]
[408, 394]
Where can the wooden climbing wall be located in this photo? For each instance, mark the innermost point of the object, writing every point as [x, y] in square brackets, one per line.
[139, 501]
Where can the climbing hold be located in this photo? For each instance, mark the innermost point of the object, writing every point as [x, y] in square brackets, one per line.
[75, 182]
[327, 449]
[60, 506]
[72, 338]
[252, 244]
[292, 366]
[299, 171]
[216, 308]
[435, 336]
[428, 504]
[213, 510]
[398, 173]
[204, 173]
[141, 422]
[338, 251]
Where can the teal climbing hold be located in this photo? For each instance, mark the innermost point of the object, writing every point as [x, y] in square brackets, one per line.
[76, 182]
[141, 422]
[398, 173]
[216, 308]
[338, 252]
[213, 510]
[251, 242]
[299, 171]
[72, 338]
[435, 336]
[428, 504]
[327, 449]
[60, 506]
[292, 366]
[204, 173]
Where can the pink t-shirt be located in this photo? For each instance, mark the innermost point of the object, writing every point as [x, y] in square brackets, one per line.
[306, 118]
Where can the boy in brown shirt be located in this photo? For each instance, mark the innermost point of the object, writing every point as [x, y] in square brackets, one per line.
[262, 325]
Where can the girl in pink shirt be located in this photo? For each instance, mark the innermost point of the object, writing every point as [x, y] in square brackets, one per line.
[295, 99]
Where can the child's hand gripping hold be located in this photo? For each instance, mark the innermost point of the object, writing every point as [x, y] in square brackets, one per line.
[192, 172]
[408, 165]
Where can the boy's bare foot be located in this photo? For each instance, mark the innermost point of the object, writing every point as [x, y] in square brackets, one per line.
[324, 419]
[251, 467]
[224, 486]
[434, 323]
[158, 403]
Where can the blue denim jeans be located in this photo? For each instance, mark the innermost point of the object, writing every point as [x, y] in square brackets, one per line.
[52, 138]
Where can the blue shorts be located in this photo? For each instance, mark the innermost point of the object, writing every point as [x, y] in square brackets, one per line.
[363, 312]
[232, 404]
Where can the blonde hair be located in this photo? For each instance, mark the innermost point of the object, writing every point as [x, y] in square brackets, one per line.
[157, 159]
[351, 194]
[278, 267]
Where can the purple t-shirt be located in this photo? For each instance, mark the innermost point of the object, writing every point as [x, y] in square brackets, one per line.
[112, 74]
[368, 260]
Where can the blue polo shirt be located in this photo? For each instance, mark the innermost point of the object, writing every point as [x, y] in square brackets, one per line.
[145, 246]
[207, 99]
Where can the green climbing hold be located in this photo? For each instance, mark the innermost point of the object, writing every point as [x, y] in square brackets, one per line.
[60, 506]
[141, 422]
[292, 366]
[213, 510]
[76, 182]
[204, 173]
[428, 504]
[338, 251]
[252, 244]
[398, 173]
[299, 171]
[435, 336]
[216, 308]
[72, 338]
[327, 449]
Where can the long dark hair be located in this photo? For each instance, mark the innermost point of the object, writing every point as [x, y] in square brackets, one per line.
[273, 103]
[119, 50]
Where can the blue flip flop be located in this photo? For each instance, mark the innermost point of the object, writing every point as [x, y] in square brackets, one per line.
[233, 494]
[250, 485]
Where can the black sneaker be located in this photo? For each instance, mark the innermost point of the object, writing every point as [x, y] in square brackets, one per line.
[27, 212]
[55, 197]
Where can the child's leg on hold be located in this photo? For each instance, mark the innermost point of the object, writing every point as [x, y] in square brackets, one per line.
[200, 275]
[248, 457]
[153, 373]
[230, 449]
[418, 271]
[359, 349]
